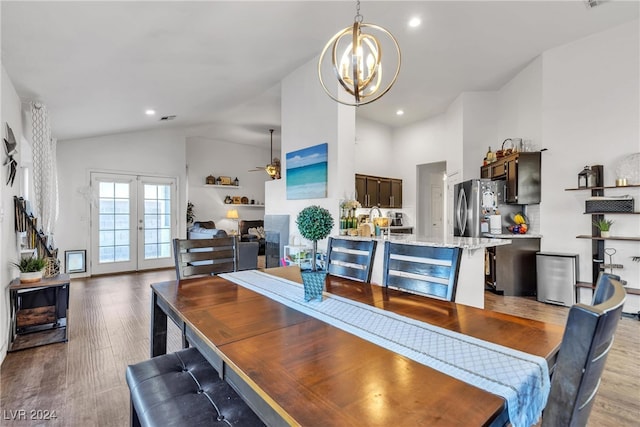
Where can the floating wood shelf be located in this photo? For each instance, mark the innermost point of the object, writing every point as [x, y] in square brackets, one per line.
[587, 236]
[587, 285]
[230, 187]
[601, 188]
[611, 213]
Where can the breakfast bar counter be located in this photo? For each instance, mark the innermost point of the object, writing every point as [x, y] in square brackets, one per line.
[470, 289]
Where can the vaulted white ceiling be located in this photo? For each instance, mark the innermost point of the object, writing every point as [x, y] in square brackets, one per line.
[217, 65]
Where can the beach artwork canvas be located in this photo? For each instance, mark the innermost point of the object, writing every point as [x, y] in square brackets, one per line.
[307, 173]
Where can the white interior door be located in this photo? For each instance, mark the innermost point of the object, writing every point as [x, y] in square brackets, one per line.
[132, 222]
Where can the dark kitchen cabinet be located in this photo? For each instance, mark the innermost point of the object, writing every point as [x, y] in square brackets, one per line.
[367, 189]
[485, 172]
[378, 191]
[521, 173]
[361, 190]
[396, 193]
[523, 178]
[384, 192]
[511, 269]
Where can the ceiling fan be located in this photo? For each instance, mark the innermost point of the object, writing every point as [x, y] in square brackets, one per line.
[273, 168]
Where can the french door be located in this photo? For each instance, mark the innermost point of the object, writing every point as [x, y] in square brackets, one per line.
[133, 221]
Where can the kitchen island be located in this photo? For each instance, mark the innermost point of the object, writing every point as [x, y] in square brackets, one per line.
[470, 289]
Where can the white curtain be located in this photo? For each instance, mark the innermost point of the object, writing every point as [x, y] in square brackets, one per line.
[45, 176]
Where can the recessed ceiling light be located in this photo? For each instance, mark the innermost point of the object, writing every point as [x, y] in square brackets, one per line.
[415, 22]
[399, 112]
[150, 112]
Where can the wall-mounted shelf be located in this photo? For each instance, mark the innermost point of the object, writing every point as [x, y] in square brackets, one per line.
[602, 188]
[245, 205]
[632, 291]
[586, 236]
[612, 213]
[598, 242]
[229, 187]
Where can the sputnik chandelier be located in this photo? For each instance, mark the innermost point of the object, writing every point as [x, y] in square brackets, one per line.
[359, 67]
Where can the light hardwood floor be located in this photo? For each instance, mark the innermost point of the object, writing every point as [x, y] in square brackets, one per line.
[83, 380]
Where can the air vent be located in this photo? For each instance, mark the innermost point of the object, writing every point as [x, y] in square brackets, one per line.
[167, 118]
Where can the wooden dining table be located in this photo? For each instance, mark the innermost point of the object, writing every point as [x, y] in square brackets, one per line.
[294, 369]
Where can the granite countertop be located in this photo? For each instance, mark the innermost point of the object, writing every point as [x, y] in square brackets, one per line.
[513, 236]
[447, 242]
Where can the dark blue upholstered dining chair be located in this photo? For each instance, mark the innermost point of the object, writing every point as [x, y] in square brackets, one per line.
[586, 342]
[205, 256]
[351, 258]
[426, 270]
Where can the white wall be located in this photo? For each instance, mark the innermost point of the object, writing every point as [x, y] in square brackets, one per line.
[590, 115]
[520, 107]
[310, 117]
[10, 113]
[374, 149]
[206, 156]
[155, 153]
[478, 131]
[438, 139]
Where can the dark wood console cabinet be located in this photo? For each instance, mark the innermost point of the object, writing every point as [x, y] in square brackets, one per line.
[38, 312]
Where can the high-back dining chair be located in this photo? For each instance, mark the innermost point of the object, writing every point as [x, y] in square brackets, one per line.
[427, 270]
[351, 258]
[587, 339]
[205, 256]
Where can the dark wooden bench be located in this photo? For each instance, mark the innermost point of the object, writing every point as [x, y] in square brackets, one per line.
[183, 389]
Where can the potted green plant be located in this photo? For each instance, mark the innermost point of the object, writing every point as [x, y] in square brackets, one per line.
[31, 269]
[314, 223]
[603, 225]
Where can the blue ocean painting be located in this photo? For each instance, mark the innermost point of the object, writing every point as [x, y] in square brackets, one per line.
[307, 173]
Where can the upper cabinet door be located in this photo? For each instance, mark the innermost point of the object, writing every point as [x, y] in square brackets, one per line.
[396, 193]
[361, 190]
[373, 197]
[384, 192]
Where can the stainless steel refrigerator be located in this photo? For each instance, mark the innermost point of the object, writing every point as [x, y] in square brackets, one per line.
[474, 200]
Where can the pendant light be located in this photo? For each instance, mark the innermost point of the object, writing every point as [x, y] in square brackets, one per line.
[356, 60]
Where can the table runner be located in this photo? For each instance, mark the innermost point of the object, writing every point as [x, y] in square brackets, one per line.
[520, 378]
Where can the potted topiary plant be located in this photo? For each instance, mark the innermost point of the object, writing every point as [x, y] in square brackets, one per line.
[603, 225]
[31, 269]
[314, 223]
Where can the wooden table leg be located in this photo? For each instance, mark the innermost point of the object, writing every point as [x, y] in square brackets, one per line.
[158, 333]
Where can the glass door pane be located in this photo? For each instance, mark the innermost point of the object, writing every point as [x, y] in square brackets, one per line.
[113, 224]
[156, 222]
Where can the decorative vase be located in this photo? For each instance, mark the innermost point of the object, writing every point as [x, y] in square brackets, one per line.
[604, 233]
[313, 282]
[31, 277]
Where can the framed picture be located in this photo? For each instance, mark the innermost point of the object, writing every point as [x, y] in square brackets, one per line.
[307, 173]
[75, 261]
[225, 180]
[237, 200]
